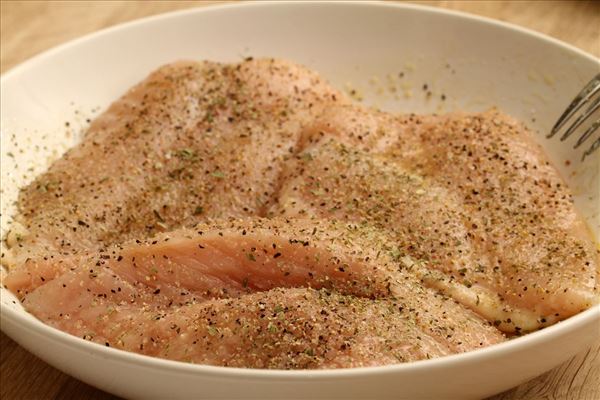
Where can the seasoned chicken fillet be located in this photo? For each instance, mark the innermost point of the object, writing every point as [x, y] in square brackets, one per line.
[345, 287]
[472, 196]
[192, 141]
[249, 215]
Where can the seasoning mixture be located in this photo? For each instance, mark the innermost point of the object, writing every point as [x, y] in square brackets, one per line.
[250, 215]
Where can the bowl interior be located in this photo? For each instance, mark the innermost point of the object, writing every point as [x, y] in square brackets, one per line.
[399, 58]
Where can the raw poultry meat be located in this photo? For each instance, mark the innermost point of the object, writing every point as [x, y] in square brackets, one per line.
[250, 215]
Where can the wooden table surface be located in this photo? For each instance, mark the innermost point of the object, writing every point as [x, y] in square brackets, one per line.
[29, 27]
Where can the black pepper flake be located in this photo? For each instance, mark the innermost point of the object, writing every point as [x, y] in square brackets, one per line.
[158, 216]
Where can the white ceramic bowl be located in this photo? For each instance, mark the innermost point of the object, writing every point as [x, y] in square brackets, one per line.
[475, 62]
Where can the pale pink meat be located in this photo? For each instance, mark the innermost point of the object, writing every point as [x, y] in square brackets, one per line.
[472, 195]
[173, 280]
[194, 140]
[249, 215]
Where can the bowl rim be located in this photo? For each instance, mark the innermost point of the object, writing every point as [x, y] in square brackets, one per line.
[8, 314]
[19, 68]
[475, 356]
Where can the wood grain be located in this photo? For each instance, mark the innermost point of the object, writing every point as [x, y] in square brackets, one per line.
[29, 27]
